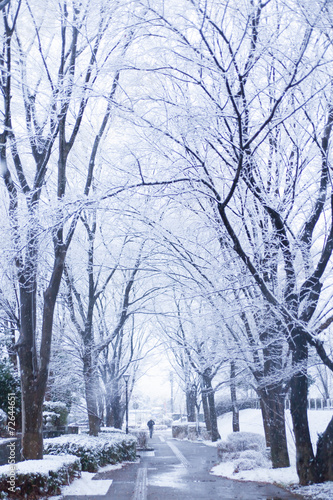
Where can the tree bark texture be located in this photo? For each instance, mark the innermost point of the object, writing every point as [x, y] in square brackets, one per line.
[265, 419]
[272, 400]
[190, 403]
[34, 374]
[235, 410]
[212, 411]
[305, 461]
[324, 456]
[205, 406]
[108, 410]
[117, 411]
[114, 407]
[89, 375]
[32, 420]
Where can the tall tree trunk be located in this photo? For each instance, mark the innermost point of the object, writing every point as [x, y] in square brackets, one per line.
[279, 448]
[34, 375]
[235, 410]
[205, 407]
[108, 410]
[265, 419]
[116, 406]
[190, 403]
[32, 400]
[324, 456]
[272, 401]
[305, 463]
[212, 410]
[89, 376]
[117, 411]
[273, 391]
[32, 421]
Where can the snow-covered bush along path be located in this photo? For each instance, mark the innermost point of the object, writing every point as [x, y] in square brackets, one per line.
[38, 477]
[94, 452]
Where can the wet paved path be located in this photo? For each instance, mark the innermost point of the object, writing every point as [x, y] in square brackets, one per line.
[179, 470]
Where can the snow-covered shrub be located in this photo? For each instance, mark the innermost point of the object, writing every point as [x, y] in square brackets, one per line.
[56, 407]
[94, 452]
[240, 441]
[192, 432]
[37, 478]
[247, 441]
[188, 430]
[142, 439]
[179, 430]
[251, 459]
[246, 450]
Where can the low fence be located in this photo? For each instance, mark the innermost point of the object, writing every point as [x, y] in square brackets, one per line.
[313, 404]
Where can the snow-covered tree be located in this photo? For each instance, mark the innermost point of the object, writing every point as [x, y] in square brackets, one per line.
[246, 117]
[51, 69]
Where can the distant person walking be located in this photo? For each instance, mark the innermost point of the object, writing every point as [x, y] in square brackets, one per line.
[151, 424]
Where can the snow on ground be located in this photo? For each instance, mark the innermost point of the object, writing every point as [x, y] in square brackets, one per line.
[251, 421]
[85, 485]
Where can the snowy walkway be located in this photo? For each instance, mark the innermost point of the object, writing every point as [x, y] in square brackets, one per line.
[177, 470]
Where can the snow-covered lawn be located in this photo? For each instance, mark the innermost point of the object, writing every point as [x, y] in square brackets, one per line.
[251, 421]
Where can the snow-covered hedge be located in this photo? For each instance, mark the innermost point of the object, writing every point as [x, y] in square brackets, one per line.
[94, 452]
[246, 450]
[240, 441]
[251, 459]
[37, 478]
[179, 430]
[186, 430]
[112, 430]
[142, 439]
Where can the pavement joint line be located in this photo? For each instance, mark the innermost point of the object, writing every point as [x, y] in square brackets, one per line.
[140, 492]
[179, 454]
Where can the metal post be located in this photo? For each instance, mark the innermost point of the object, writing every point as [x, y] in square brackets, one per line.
[171, 383]
[126, 378]
[126, 406]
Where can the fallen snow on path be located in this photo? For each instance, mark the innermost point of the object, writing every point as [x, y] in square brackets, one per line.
[251, 421]
[172, 478]
[86, 485]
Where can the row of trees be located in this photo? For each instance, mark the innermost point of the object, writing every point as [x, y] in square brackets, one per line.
[181, 151]
[246, 119]
[54, 59]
